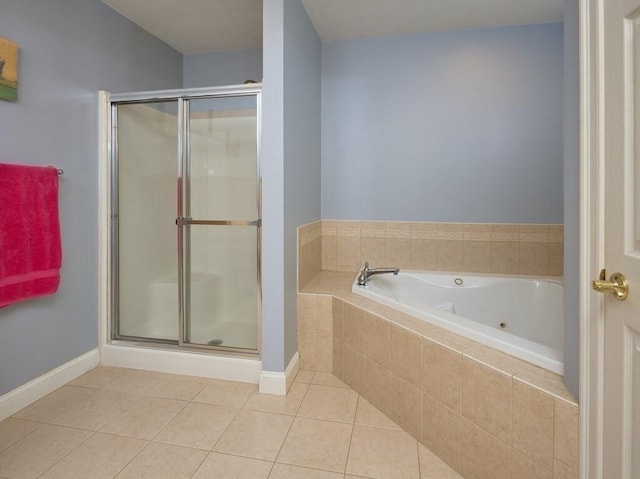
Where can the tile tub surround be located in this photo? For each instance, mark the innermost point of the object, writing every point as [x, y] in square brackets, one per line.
[336, 245]
[486, 414]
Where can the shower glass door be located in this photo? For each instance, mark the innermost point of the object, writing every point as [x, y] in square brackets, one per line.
[186, 219]
[220, 223]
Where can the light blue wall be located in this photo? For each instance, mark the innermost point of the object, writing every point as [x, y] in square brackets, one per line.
[302, 150]
[69, 49]
[273, 186]
[450, 126]
[224, 68]
[290, 165]
[571, 196]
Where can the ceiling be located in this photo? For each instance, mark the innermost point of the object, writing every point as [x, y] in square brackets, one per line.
[205, 26]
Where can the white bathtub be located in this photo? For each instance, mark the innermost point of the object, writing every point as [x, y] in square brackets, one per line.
[519, 316]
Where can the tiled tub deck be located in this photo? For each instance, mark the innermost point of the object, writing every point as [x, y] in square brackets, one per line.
[485, 413]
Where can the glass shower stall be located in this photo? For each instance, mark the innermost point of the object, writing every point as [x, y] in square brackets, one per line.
[186, 218]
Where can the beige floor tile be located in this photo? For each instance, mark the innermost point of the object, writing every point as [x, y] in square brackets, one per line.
[224, 466]
[13, 429]
[150, 383]
[255, 434]
[288, 404]
[100, 456]
[327, 379]
[37, 452]
[225, 393]
[163, 461]
[368, 415]
[330, 403]
[73, 406]
[304, 376]
[317, 444]
[383, 453]
[432, 467]
[144, 417]
[286, 471]
[97, 377]
[197, 425]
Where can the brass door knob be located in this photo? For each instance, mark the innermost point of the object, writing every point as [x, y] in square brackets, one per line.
[617, 285]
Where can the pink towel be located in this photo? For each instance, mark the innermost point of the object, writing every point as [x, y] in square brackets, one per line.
[30, 246]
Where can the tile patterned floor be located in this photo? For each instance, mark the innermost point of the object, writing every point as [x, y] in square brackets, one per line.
[127, 423]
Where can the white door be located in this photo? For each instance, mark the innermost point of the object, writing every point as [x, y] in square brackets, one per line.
[621, 368]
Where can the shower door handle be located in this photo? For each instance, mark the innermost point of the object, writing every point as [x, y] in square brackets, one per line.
[182, 221]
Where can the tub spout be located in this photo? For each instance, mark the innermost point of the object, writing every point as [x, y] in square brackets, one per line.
[367, 272]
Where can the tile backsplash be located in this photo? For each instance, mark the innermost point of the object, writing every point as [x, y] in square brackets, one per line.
[339, 245]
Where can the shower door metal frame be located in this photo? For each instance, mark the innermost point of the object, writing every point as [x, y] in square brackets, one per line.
[183, 219]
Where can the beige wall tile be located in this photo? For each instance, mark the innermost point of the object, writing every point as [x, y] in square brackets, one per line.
[354, 327]
[441, 431]
[354, 369]
[483, 455]
[422, 230]
[423, 254]
[505, 257]
[406, 355]
[556, 233]
[338, 319]
[377, 385]
[442, 374]
[398, 229]
[534, 258]
[329, 252]
[532, 423]
[308, 351]
[325, 315]
[505, 232]
[522, 466]
[547, 382]
[566, 434]
[556, 259]
[329, 227]
[536, 233]
[450, 255]
[374, 229]
[348, 253]
[562, 471]
[406, 405]
[373, 250]
[307, 314]
[349, 228]
[378, 340]
[486, 398]
[338, 358]
[477, 256]
[497, 360]
[398, 252]
[324, 354]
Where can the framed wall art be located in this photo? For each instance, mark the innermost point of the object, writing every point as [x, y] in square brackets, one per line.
[8, 70]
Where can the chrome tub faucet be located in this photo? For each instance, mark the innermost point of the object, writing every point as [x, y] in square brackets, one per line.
[367, 272]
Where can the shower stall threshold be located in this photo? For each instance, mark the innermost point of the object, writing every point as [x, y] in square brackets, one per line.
[171, 359]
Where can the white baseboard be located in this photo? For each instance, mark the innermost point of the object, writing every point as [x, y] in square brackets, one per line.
[39, 387]
[272, 382]
[178, 362]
